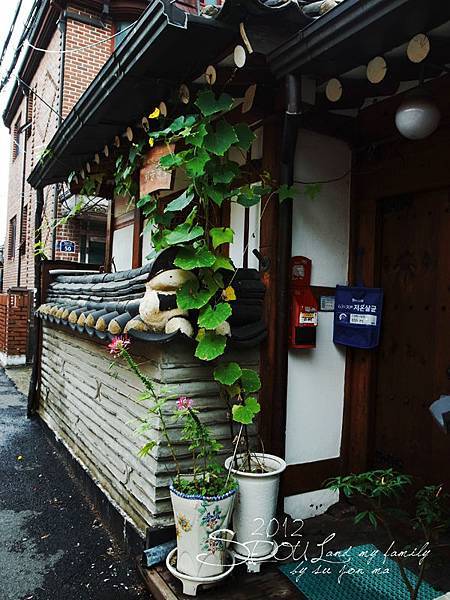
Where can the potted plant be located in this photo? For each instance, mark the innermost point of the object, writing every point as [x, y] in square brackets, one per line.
[380, 496]
[202, 499]
[257, 473]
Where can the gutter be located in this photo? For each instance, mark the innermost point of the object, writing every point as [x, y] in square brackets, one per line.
[63, 26]
[34, 381]
[39, 34]
[347, 20]
[284, 247]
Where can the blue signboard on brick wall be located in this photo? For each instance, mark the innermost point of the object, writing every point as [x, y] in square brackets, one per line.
[357, 316]
[65, 246]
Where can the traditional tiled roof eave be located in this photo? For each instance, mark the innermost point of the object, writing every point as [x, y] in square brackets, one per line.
[143, 68]
[103, 305]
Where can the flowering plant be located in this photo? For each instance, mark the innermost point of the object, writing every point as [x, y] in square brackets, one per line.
[208, 477]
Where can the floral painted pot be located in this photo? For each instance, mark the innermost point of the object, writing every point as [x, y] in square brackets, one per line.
[196, 518]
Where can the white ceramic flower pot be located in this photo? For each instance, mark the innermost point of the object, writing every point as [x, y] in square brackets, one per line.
[256, 505]
[196, 518]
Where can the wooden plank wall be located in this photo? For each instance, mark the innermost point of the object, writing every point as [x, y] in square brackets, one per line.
[95, 410]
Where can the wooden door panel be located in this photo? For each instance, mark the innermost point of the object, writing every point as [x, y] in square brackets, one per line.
[415, 264]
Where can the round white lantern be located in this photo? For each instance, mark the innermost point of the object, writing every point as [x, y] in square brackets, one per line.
[417, 117]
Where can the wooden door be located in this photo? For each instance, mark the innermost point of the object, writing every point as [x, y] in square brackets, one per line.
[414, 354]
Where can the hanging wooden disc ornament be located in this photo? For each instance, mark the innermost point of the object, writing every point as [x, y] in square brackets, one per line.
[117, 141]
[334, 90]
[97, 158]
[184, 93]
[163, 109]
[129, 134]
[106, 151]
[249, 98]
[418, 48]
[239, 56]
[376, 70]
[210, 75]
[88, 167]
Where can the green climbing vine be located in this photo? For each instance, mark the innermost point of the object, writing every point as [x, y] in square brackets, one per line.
[203, 142]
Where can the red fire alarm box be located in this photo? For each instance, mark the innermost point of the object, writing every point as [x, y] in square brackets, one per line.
[304, 307]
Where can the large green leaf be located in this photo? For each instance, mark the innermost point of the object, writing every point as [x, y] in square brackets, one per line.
[191, 297]
[221, 235]
[220, 139]
[147, 199]
[245, 413]
[246, 197]
[194, 258]
[286, 191]
[227, 373]
[170, 161]
[224, 173]
[196, 137]
[182, 123]
[312, 190]
[223, 262]
[210, 345]
[195, 166]
[179, 203]
[245, 136]
[184, 233]
[210, 105]
[250, 380]
[217, 193]
[210, 317]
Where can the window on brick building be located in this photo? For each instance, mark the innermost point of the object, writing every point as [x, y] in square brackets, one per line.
[121, 30]
[17, 138]
[24, 230]
[30, 108]
[12, 233]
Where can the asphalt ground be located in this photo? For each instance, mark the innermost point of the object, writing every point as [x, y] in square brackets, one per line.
[53, 545]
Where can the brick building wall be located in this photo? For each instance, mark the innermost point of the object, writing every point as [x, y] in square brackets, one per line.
[80, 68]
[44, 123]
[14, 321]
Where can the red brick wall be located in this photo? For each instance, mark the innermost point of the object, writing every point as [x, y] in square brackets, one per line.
[14, 314]
[82, 66]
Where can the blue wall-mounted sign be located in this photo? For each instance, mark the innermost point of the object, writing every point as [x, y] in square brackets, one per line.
[65, 246]
[357, 316]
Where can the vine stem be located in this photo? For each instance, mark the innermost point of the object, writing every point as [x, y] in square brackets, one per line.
[148, 384]
[233, 460]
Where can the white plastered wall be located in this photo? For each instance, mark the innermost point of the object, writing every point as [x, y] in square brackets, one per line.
[122, 248]
[320, 231]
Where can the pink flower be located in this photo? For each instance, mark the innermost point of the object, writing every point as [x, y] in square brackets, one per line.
[118, 344]
[183, 403]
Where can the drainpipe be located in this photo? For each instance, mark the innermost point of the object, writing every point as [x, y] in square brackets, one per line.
[284, 248]
[22, 200]
[63, 28]
[33, 389]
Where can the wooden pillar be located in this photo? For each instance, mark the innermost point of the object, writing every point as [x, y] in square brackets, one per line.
[272, 426]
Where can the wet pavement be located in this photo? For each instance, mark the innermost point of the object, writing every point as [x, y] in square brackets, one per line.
[52, 543]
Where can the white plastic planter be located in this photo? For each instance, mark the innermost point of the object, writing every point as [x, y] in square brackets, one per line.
[256, 504]
[196, 517]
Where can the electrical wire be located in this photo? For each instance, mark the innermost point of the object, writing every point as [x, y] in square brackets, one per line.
[17, 52]
[10, 32]
[32, 91]
[80, 48]
[325, 181]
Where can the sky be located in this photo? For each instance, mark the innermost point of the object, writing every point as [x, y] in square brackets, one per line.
[7, 10]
